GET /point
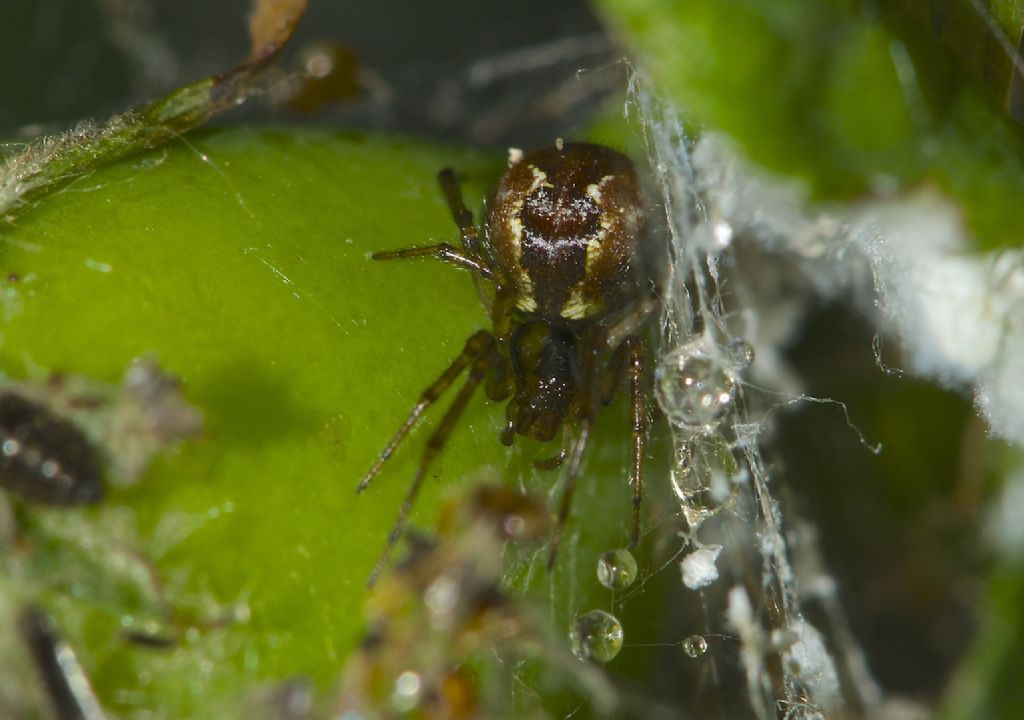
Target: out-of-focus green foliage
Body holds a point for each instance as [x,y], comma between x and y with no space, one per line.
[851,97]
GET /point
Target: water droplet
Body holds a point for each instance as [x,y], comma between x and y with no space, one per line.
[694,389]
[441,599]
[695,646]
[616,569]
[596,635]
[406,695]
[741,353]
[704,476]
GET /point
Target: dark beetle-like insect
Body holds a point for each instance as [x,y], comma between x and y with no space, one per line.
[566,269]
[45,458]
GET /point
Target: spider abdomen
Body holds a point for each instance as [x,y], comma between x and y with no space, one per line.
[563,225]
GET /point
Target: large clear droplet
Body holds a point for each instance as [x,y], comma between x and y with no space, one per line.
[616,569]
[704,476]
[596,635]
[694,389]
[695,646]
[741,354]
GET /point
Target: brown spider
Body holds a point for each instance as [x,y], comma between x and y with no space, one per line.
[564,266]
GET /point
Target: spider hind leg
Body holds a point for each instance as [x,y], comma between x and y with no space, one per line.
[474,346]
[479,354]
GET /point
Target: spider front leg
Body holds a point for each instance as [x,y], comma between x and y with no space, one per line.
[442,251]
[475,345]
[629,361]
[480,352]
[460,213]
[469,257]
[575,463]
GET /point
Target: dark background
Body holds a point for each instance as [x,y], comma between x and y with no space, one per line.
[492,72]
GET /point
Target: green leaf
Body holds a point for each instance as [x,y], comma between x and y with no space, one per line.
[240,261]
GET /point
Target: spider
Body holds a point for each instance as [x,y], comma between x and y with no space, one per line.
[564,266]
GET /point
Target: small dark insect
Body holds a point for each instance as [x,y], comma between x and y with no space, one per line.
[565,268]
[45,458]
[65,681]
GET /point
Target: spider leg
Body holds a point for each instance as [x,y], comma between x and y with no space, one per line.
[615,373]
[482,360]
[593,347]
[575,461]
[475,345]
[501,312]
[471,246]
[462,216]
[441,251]
[555,461]
[498,385]
[637,374]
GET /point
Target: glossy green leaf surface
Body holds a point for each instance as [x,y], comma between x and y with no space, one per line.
[240,261]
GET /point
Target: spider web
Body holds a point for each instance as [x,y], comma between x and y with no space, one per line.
[737,544]
[905,262]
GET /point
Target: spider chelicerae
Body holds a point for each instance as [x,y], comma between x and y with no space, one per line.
[566,269]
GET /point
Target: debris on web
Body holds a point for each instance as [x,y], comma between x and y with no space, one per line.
[908,263]
[444,603]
